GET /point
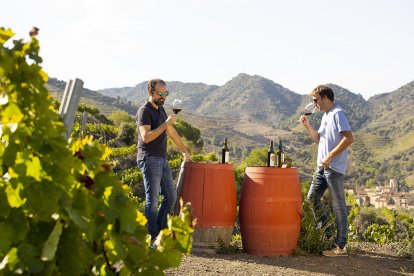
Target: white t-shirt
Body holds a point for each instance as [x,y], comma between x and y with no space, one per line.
[333,122]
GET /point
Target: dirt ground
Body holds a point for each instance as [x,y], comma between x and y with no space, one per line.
[364,260]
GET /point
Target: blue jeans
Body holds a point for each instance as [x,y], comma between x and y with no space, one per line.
[329,179]
[157,179]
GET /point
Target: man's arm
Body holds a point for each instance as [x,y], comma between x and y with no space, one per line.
[149,134]
[346,141]
[172,133]
[313,134]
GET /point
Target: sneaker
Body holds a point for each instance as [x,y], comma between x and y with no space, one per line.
[335,252]
[152,244]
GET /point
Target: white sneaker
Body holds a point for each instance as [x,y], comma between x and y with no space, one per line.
[336,252]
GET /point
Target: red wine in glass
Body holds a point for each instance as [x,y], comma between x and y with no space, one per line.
[309,109]
[177,105]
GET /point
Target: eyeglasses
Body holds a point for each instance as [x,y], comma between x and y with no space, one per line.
[162,94]
[315,100]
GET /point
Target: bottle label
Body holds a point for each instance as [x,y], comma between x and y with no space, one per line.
[272,160]
[227,157]
[283,159]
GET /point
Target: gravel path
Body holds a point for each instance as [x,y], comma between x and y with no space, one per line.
[371,261]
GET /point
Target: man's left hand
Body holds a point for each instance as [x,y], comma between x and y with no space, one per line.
[326,161]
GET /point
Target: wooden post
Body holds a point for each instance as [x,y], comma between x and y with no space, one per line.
[69,104]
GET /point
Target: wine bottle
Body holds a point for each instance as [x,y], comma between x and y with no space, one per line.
[280,155]
[270,155]
[225,154]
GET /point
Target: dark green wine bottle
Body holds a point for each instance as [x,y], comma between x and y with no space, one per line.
[225,154]
[280,155]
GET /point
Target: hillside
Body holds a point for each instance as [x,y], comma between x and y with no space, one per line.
[251,97]
[246,97]
[252,110]
[192,94]
[106,104]
[386,142]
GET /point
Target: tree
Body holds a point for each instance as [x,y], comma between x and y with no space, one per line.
[119,117]
[371,183]
[257,157]
[127,134]
[192,134]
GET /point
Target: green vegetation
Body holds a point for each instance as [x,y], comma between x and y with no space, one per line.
[62,211]
[383,226]
[235,245]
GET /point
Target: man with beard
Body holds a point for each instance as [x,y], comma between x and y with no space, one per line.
[153,127]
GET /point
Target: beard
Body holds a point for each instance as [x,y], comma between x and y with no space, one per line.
[159,101]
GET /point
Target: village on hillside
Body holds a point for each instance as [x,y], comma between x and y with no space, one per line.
[387,196]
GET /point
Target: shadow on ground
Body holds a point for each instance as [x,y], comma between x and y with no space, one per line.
[358,263]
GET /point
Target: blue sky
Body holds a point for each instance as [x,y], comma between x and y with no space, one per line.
[365,46]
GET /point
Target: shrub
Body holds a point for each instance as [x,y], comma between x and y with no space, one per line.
[62,212]
[380,234]
[312,239]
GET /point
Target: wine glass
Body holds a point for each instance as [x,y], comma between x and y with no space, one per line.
[177,105]
[309,109]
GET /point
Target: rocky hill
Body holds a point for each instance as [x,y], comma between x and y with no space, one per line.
[252,110]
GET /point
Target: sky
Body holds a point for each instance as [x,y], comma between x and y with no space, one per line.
[365,46]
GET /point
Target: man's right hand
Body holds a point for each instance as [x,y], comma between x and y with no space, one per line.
[304,120]
[171,119]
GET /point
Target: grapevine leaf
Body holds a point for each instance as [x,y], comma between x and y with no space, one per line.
[13,195]
[73,254]
[11,259]
[6,237]
[34,168]
[50,246]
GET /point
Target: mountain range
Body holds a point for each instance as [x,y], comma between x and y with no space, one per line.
[244,97]
[251,110]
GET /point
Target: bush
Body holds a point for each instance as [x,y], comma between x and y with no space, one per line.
[235,245]
[127,134]
[379,234]
[312,239]
[133,178]
[406,249]
[62,212]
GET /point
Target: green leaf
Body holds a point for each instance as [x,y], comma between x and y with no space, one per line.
[11,115]
[6,237]
[11,259]
[20,224]
[4,205]
[34,168]
[75,258]
[13,195]
[50,246]
[43,198]
[5,35]
[29,255]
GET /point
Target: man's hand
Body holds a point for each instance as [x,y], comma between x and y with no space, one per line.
[171,119]
[187,157]
[326,161]
[304,120]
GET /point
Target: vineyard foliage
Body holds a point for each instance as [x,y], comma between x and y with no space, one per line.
[62,211]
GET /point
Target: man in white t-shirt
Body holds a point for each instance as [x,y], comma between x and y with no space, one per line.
[334,137]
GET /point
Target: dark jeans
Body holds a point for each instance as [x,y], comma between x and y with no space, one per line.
[329,179]
[157,179]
